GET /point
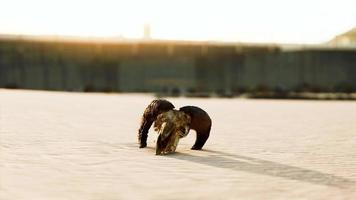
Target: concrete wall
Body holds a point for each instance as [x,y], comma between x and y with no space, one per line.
[172,67]
[318,69]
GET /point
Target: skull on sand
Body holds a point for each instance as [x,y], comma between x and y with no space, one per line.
[171,126]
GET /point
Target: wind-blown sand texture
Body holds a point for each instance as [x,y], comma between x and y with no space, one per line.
[56,145]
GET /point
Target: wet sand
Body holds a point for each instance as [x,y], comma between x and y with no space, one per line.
[57,145]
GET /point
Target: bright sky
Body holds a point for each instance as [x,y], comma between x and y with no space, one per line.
[285,21]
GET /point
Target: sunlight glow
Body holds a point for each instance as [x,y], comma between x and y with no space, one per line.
[303,21]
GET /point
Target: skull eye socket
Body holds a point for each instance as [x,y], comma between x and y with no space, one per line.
[183,131]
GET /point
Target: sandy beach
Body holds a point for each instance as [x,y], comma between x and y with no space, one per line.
[58,145]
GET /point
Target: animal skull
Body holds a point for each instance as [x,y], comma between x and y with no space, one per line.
[171,126]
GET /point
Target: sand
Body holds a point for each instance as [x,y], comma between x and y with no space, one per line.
[57,145]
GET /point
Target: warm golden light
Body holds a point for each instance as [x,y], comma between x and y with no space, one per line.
[304,21]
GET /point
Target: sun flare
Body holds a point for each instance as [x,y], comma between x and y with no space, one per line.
[303,21]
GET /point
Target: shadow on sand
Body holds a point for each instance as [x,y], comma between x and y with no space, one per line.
[265,167]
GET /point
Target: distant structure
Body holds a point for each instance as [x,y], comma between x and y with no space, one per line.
[345,39]
[173,67]
[147,32]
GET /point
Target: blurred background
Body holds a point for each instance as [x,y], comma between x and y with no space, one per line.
[271,49]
